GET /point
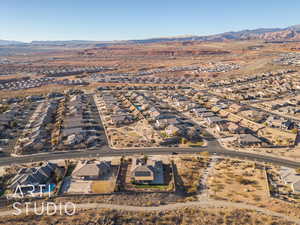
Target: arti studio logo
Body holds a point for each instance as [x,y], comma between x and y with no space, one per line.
[43,208]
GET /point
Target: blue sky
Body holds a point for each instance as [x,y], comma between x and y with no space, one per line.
[27,20]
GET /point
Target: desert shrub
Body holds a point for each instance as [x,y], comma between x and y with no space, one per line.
[246,181]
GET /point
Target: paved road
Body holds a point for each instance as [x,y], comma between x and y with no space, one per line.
[169,207]
[213,147]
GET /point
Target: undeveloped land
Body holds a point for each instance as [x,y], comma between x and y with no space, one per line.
[185,216]
[244,181]
[190,170]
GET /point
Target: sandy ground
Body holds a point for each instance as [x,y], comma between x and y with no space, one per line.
[80,187]
[102,187]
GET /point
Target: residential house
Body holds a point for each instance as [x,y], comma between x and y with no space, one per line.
[287,125]
[153,112]
[147,171]
[236,129]
[236,108]
[275,122]
[207,114]
[72,126]
[290,177]
[198,111]
[28,177]
[119,120]
[92,170]
[172,130]
[162,123]
[221,127]
[214,120]
[248,140]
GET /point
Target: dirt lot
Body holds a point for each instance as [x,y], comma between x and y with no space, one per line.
[134,133]
[239,181]
[190,170]
[242,181]
[139,134]
[102,187]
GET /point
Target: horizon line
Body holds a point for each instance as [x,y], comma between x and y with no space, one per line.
[149,38]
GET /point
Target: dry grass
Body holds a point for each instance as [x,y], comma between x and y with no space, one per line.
[278,136]
[191,216]
[190,170]
[239,181]
[102,187]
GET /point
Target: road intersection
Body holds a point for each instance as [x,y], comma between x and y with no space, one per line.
[213,147]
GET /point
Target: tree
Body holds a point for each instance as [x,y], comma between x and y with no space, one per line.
[295,130]
[145,158]
[245,181]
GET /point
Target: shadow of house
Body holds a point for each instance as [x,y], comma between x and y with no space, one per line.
[178,182]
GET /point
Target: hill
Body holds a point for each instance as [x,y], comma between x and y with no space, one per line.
[291,33]
[8,42]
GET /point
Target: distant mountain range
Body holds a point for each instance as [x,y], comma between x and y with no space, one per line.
[291,33]
[6,42]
